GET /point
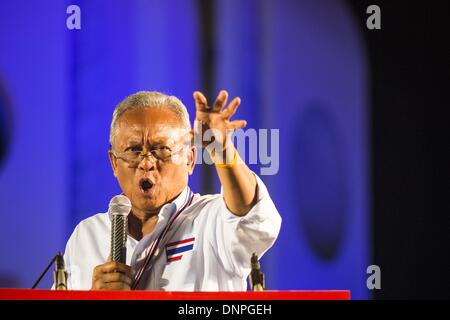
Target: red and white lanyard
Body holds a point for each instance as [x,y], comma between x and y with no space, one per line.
[187,202]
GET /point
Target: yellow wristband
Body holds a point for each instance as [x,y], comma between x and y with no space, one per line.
[225,165]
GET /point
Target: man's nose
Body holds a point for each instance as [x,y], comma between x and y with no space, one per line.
[147,163]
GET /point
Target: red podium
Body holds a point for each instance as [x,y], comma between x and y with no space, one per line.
[28,294]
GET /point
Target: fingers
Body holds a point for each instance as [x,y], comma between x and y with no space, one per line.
[113,267]
[201,104]
[116,286]
[112,286]
[232,107]
[116,277]
[221,101]
[104,279]
[237,124]
[112,276]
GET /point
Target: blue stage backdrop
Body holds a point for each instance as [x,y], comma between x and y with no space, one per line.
[299,66]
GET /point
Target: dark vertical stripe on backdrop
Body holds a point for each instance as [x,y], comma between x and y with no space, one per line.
[206,15]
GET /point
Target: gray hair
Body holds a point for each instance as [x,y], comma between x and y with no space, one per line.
[149,99]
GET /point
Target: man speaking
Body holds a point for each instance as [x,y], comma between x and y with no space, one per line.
[176,240]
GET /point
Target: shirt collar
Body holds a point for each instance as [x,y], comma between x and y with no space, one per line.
[165,214]
[169,208]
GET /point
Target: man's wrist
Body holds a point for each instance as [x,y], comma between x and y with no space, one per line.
[224,156]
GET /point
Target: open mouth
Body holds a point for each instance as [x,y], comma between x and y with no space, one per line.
[146,185]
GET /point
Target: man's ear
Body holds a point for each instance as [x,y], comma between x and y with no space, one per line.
[191,156]
[113,161]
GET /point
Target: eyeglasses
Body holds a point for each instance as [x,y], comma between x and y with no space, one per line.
[134,155]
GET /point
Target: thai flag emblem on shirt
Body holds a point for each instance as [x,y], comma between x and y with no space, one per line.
[175,250]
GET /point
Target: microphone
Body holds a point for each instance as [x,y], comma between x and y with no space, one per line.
[256,275]
[119,208]
[60,274]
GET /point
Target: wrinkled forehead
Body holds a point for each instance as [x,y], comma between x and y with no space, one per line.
[149,126]
[154,134]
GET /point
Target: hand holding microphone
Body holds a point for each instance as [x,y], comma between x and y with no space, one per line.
[115,274]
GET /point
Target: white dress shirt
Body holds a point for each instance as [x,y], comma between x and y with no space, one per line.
[206,248]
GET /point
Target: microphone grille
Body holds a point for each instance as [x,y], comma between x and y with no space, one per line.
[120,205]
